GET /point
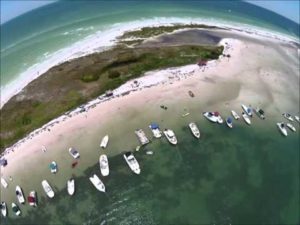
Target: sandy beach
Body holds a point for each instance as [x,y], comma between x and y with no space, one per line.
[260,72]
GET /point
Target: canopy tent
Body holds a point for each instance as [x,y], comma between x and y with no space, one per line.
[154,126]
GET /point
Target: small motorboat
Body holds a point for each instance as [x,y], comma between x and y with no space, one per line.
[48,189]
[16,209]
[3,209]
[288,116]
[104,166]
[104,141]
[235,115]
[155,130]
[97,183]
[20,194]
[282,129]
[132,162]
[74,153]
[246,118]
[292,128]
[32,199]
[247,110]
[170,135]
[53,167]
[297,118]
[260,113]
[4,182]
[71,186]
[229,122]
[195,130]
[214,117]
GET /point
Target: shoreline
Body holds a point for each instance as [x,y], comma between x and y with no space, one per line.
[223,85]
[148,80]
[109,39]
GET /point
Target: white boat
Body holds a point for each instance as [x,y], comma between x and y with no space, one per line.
[71,186]
[53,167]
[297,118]
[48,189]
[16,209]
[235,115]
[229,122]
[195,130]
[288,116]
[155,130]
[282,128]
[170,135]
[4,183]
[104,166]
[246,118]
[260,113]
[149,152]
[32,199]
[97,183]
[247,110]
[214,117]
[292,128]
[104,141]
[132,162]
[141,136]
[3,209]
[74,153]
[20,194]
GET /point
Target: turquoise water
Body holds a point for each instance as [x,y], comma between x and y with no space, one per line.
[241,176]
[32,38]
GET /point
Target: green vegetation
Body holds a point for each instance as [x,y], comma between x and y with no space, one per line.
[73,83]
[147,32]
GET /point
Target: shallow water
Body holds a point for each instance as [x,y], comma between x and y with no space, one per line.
[245,175]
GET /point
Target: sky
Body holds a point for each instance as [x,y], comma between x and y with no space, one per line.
[13,8]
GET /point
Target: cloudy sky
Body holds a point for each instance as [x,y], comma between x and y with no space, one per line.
[13,8]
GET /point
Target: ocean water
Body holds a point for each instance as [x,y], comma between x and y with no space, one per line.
[241,176]
[38,40]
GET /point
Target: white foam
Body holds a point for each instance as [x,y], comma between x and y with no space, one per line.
[104,39]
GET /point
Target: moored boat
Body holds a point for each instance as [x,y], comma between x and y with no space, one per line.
[20,195]
[297,118]
[3,209]
[97,183]
[53,167]
[195,130]
[32,199]
[246,118]
[282,129]
[247,110]
[48,189]
[235,115]
[214,117]
[104,166]
[155,130]
[16,209]
[104,141]
[288,116]
[74,153]
[292,128]
[170,135]
[260,113]
[229,122]
[71,186]
[132,162]
[4,182]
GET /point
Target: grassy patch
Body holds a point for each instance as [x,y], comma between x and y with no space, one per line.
[73,83]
